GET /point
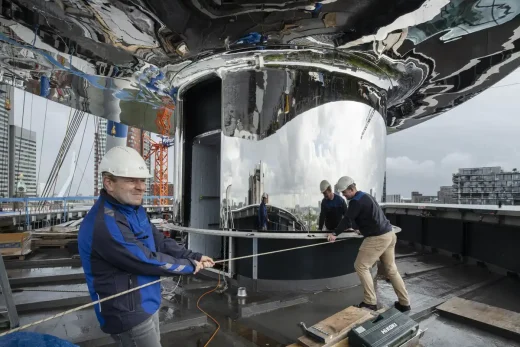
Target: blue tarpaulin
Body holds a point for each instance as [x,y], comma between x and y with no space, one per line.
[27,339]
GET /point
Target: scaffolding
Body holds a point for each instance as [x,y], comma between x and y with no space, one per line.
[160,149]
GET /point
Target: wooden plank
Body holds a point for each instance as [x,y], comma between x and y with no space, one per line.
[15,244]
[337,326]
[481,313]
[14,237]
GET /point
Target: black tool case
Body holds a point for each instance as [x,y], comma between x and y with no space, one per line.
[390,329]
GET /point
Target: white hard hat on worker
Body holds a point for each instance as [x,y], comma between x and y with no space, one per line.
[326,189]
[124,175]
[347,187]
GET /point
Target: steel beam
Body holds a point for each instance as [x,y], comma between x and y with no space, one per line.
[8,296]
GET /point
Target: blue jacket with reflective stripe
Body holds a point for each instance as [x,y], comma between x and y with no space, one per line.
[120,249]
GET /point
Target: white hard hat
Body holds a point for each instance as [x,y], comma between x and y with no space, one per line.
[324,185]
[122,161]
[344,182]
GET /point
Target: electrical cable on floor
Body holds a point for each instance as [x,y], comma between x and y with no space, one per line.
[207,314]
[91,304]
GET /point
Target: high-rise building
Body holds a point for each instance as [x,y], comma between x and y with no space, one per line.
[393,198]
[256,185]
[134,140]
[486,186]
[4,143]
[445,195]
[22,159]
[418,198]
[100,143]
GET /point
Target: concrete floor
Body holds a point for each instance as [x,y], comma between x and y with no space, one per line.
[430,280]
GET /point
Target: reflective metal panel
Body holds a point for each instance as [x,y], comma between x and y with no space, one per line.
[323,142]
[123,59]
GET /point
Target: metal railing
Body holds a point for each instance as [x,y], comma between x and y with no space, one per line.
[24,208]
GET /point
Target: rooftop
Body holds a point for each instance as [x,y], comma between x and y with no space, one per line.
[267,319]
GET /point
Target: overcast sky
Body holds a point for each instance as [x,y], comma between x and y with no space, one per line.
[483,131]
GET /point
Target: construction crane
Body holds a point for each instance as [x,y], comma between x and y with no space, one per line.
[160,149]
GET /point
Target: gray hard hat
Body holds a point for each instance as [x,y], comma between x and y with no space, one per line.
[324,185]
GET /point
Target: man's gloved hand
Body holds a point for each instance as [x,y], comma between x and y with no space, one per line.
[207,261]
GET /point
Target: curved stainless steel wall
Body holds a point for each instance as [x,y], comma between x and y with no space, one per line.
[285,131]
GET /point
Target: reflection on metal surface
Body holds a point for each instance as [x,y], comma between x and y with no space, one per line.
[122,59]
[322,142]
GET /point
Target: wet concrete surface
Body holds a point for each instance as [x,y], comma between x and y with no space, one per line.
[82,327]
[448,333]
[423,263]
[504,294]
[433,280]
[50,296]
[44,272]
[282,325]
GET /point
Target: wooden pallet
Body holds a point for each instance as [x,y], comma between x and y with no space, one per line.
[337,326]
[17,255]
[51,243]
[15,245]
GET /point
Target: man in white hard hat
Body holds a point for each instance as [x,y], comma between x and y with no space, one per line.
[333,208]
[120,249]
[379,243]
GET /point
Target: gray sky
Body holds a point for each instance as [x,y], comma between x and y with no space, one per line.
[33,117]
[483,131]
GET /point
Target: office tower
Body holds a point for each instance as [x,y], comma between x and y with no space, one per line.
[22,160]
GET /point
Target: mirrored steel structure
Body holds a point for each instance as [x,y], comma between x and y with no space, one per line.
[270,97]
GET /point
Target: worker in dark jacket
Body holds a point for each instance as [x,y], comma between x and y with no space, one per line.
[379,243]
[263,219]
[120,249]
[333,208]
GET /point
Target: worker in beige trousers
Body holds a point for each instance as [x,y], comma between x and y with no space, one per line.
[379,243]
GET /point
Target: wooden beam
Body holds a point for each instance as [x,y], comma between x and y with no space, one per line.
[490,316]
[337,326]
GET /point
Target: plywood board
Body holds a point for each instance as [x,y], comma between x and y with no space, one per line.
[482,313]
[337,326]
[13,237]
[15,244]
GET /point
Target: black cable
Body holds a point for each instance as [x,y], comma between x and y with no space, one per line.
[50,178]
[67,141]
[72,134]
[77,160]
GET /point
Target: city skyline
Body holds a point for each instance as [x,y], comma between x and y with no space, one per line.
[480,132]
[33,117]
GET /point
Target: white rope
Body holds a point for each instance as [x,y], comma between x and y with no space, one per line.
[149,284]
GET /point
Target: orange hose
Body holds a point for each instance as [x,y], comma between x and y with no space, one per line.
[207,314]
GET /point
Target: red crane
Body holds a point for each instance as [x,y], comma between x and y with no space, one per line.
[160,149]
